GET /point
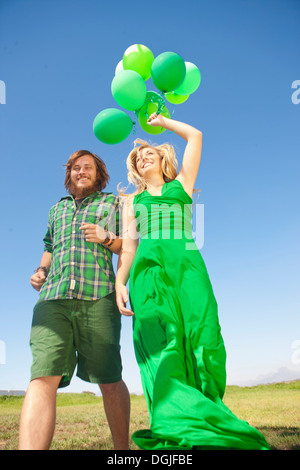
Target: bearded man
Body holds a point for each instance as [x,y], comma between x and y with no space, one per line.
[76,321]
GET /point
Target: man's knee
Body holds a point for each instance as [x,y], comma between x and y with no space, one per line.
[114,388]
[47,383]
[110,387]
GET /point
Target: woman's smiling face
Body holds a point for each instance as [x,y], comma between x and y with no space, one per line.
[148,161]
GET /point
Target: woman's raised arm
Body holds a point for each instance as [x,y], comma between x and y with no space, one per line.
[192,154]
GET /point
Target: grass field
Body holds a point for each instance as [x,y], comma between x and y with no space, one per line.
[81,423]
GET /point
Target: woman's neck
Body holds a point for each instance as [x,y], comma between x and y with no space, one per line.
[155,183]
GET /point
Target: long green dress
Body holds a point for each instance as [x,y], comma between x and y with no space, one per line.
[177,336]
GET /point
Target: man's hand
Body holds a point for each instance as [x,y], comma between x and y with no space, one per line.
[93,233]
[38,279]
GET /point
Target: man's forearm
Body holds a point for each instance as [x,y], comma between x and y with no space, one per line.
[116,246]
[46,260]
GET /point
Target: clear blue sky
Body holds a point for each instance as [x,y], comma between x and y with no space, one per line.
[57,59]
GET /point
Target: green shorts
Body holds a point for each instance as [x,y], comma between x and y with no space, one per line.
[86,333]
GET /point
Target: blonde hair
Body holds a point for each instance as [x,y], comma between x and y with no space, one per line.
[169,164]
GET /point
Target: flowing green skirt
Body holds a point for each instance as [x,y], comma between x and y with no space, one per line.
[181,354]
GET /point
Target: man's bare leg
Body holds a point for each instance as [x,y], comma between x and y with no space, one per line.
[38,414]
[116,402]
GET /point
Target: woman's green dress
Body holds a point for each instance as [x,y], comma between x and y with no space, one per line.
[177,336]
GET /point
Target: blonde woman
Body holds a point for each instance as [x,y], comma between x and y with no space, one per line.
[176,331]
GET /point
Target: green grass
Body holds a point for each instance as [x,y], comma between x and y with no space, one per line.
[81,422]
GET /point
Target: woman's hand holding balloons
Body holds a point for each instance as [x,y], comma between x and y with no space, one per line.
[156,120]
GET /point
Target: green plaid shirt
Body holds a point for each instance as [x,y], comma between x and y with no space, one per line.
[80,269]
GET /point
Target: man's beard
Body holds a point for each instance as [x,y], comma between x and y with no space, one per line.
[80,193]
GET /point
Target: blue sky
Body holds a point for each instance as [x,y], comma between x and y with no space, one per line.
[57,60]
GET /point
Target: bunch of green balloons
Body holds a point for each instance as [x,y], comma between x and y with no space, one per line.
[175,79]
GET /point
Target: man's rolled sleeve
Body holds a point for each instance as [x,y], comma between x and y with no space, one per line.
[114,221]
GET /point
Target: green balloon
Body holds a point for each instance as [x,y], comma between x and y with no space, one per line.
[192,80]
[176,99]
[153,104]
[119,67]
[138,58]
[168,71]
[129,90]
[112,126]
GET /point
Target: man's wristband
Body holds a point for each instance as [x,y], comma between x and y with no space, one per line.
[109,239]
[42,268]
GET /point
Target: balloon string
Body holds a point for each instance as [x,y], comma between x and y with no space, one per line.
[161,103]
[151,99]
[134,127]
